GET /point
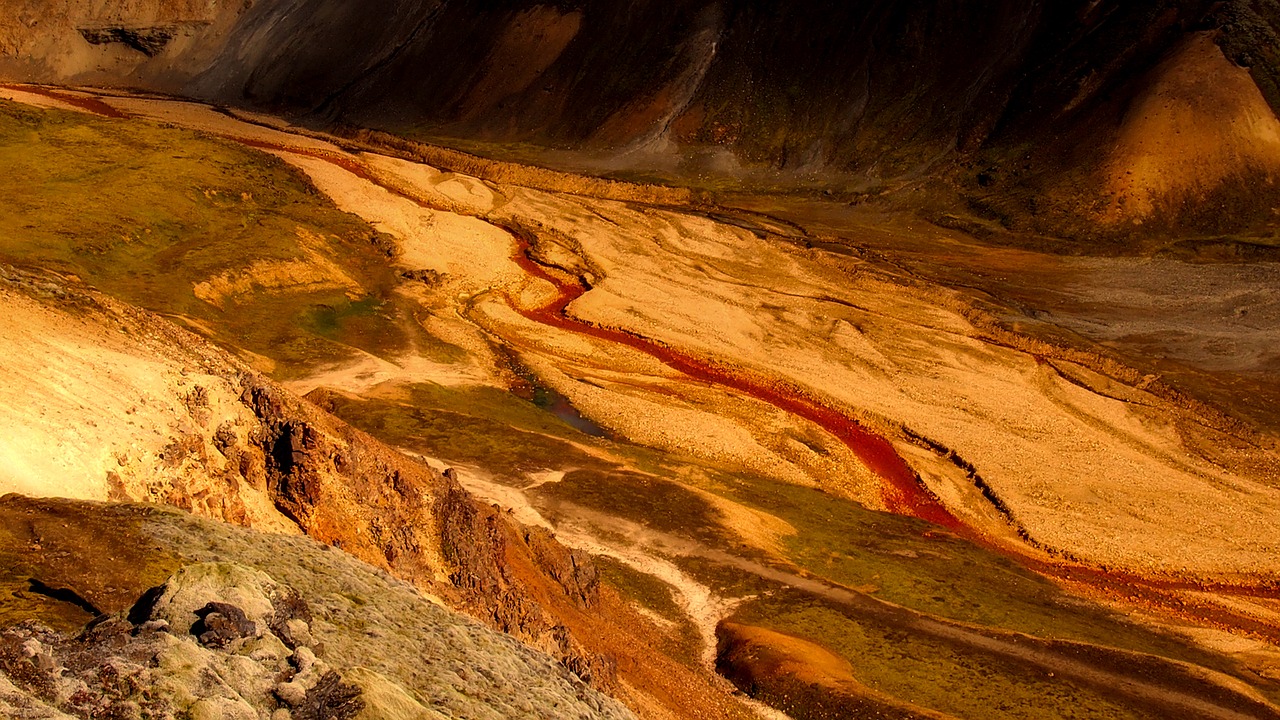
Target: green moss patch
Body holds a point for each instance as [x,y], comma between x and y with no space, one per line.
[919,566]
[931,673]
[479,426]
[146,212]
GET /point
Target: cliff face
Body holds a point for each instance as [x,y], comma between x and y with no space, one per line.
[846,84]
[152,43]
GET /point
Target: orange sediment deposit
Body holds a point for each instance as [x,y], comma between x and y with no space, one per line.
[513,173]
[351,165]
[902,493]
[796,674]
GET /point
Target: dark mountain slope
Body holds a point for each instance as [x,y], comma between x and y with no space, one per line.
[877,91]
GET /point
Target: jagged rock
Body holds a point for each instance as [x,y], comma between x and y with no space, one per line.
[492,560]
[272,460]
[330,699]
[424,276]
[220,624]
[240,596]
[291,619]
[572,569]
[394,653]
[147,40]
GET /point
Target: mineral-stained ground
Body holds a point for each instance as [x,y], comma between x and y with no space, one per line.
[509,389]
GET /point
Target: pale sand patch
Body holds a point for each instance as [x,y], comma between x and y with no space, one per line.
[475,255]
[197,116]
[510,498]
[494,314]
[370,372]
[704,608]
[444,189]
[545,477]
[679,424]
[1260,656]
[69,404]
[1105,479]
[37,100]
[759,529]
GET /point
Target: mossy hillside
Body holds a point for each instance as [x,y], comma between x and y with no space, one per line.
[145,212]
[364,623]
[927,672]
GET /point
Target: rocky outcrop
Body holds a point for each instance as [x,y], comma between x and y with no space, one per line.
[493,562]
[147,40]
[250,625]
[344,488]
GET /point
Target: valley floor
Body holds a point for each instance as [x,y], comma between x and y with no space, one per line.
[853,465]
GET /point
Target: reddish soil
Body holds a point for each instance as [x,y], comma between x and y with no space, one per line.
[351,165]
[88,104]
[902,492]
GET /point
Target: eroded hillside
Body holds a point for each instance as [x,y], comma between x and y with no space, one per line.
[788,457]
[139,611]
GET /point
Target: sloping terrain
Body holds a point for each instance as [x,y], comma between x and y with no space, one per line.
[1025,115]
[111,402]
[134,610]
[742,389]
[835,421]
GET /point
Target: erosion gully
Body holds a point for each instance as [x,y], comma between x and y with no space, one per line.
[903,492]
